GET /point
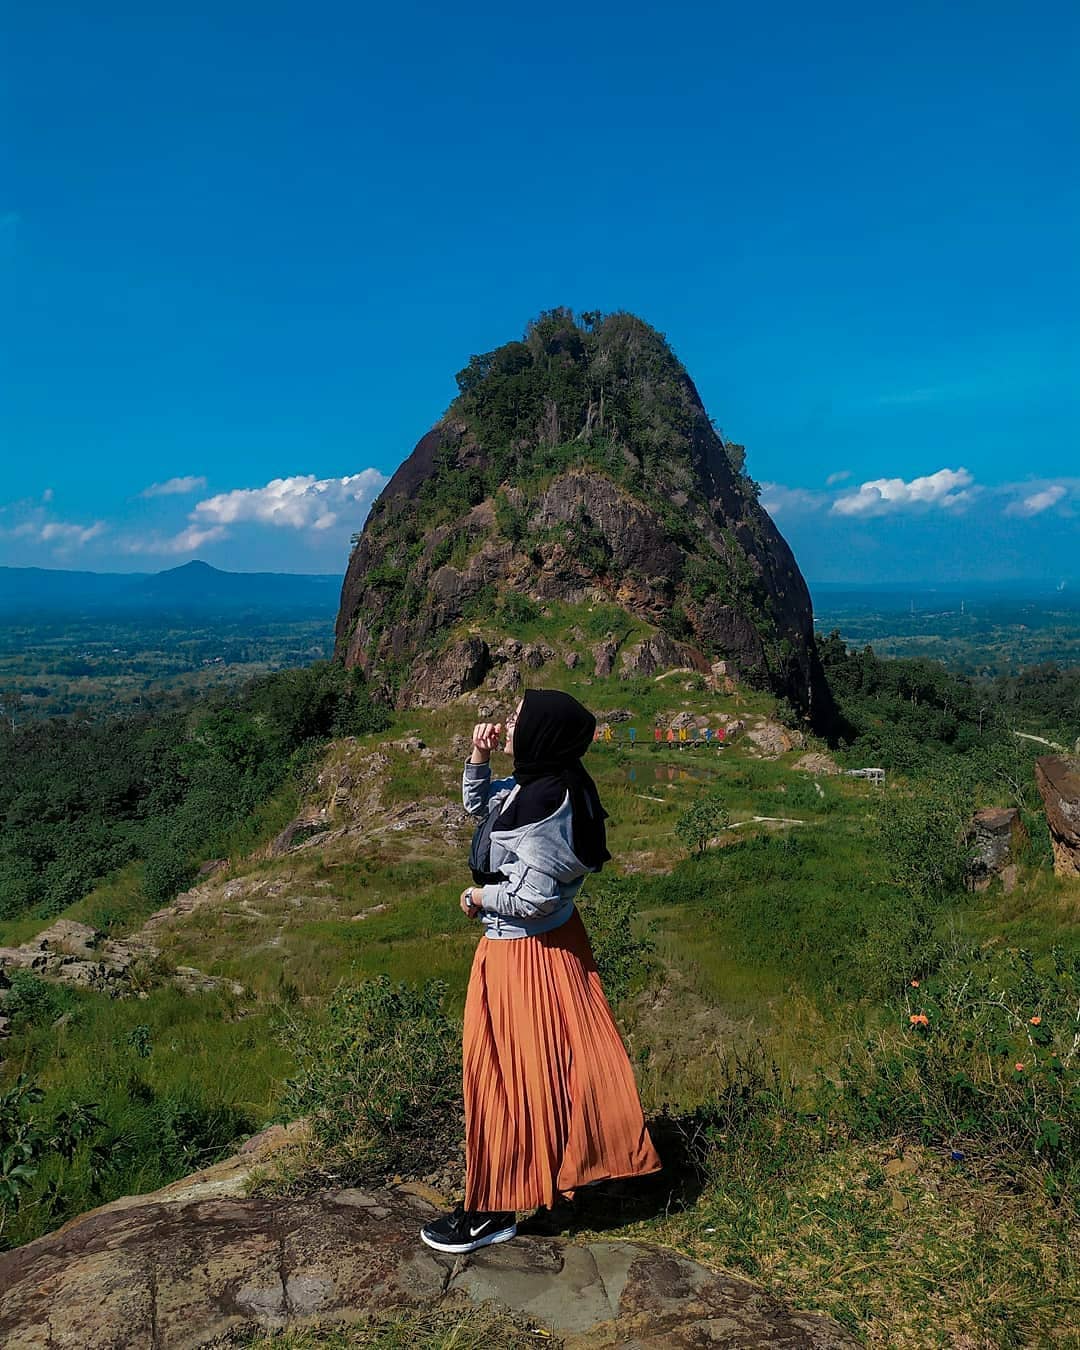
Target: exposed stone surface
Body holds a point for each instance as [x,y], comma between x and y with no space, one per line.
[78,954]
[176,1269]
[658,652]
[295,834]
[571,660]
[75,953]
[773,740]
[603,655]
[461,667]
[1058,778]
[506,679]
[995,837]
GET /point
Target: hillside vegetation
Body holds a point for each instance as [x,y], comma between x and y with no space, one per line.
[864,1077]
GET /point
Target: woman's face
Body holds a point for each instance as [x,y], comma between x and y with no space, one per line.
[511,723]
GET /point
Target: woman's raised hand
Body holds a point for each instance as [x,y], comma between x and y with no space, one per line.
[485,738]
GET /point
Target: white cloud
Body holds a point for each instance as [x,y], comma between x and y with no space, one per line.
[837,477]
[298,503]
[187,541]
[175,486]
[47,495]
[948,488]
[1037,501]
[64,535]
[780,500]
[302,502]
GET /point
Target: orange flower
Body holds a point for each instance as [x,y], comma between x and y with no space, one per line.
[1019,1067]
[1034,1021]
[919,1019]
[914,984]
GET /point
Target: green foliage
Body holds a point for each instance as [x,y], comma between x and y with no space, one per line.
[81,801]
[701,821]
[609,907]
[25,1142]
[515,609]
[920,830]
[905,716]
[994,1059]
[34,1002]
[380,1076]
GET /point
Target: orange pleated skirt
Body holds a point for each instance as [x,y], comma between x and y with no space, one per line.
[550,1098]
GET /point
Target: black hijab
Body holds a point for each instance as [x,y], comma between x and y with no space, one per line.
[553,731]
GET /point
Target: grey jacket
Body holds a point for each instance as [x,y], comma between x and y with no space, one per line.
[543,872]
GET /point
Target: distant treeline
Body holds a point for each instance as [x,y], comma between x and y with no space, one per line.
[903,713]
[79,801]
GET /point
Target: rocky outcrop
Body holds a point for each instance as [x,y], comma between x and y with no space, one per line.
[75,953]
[1058,778]
[995,838]
[461,667]
[603,655]
[650,511]
[183,1267]
[771,740]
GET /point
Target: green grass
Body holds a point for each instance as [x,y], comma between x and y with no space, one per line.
[791,937]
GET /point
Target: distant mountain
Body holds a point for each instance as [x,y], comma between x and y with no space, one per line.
[196,587]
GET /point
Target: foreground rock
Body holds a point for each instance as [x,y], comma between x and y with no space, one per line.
[178,1269]
[1059,782]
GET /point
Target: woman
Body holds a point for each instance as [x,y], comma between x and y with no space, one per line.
[550,1099]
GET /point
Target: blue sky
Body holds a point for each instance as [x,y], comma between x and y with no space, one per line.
[245,248]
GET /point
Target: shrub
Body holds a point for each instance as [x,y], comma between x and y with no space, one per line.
[168,870]
[920,830]
[34,1002]
[516,609]
[623,960]
[984,1050]
[697,825]
[379,1075]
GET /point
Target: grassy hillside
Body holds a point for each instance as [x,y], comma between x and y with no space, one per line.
[905,1177]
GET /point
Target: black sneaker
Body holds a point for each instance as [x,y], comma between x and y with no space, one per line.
[465,1231]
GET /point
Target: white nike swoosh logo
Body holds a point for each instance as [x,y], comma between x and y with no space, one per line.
[473,1231]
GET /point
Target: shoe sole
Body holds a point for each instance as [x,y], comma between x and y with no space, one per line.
[461,1248]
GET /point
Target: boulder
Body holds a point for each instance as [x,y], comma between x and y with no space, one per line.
[181,1269]
[772,740]
[658,652]
[604,657]
[461,667]
[537,654]
[571,660]
[65,935]
[506,679]
[995,837]
[1058,778]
